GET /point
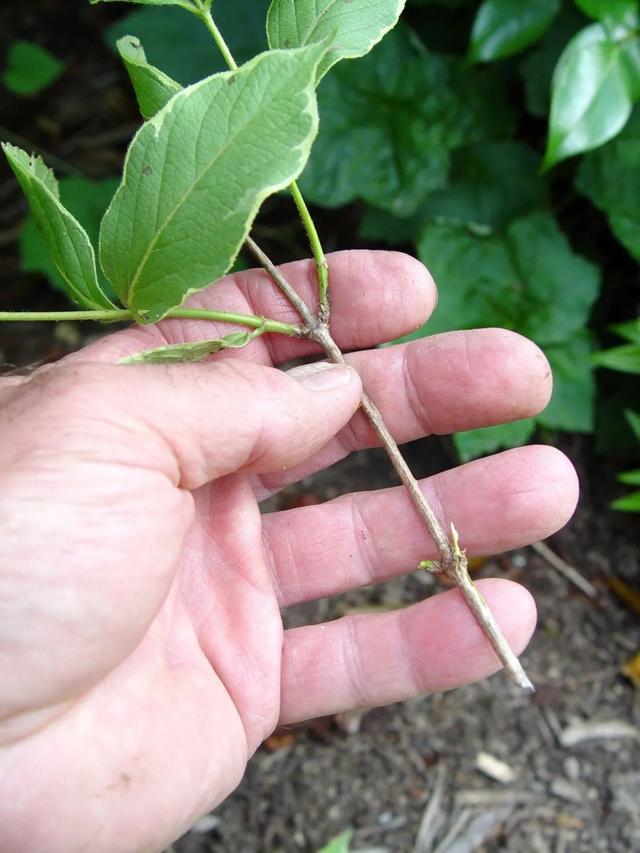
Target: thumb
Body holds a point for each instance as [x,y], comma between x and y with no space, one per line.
[197,422]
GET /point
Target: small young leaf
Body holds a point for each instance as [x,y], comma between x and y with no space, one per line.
[195,351]
[66,239]
[196,174]
[354,27]
[629,503]
[30,68]
[504,27]
[630,478]
[340,844]
[625,358]
[153,88]
[593,90]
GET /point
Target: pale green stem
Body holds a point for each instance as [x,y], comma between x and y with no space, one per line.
[322,268]
[122,315]
[207,19]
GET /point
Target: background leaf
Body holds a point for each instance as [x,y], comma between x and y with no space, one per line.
[538,67]
[87,201]
[592,94]
[480,442]
[153,88]
[390,122]
[625,358]
[489,185]
[610,177]
[504,27]
[524,278]
[30,68]
[66,240]
[614,12]
[179,44]
[196,174]
[355,27]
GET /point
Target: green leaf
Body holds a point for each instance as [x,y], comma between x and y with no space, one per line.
[631,478]
[194,351]
[390,122]
[153,87]
[621,13]
[630,330]
[593,91]
[30,68]
[481,442]
[87,201]
[610,177]
[634,422]
[625,358]
[354,27]
[526,278]
[66,239]
[490,184]
[629,503]
[504,27]
[182,47]
[196,174]
[340,844]
[537,69]
[571,405]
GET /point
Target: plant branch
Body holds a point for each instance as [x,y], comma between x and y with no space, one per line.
[311,322]
[453,560]
[266,324]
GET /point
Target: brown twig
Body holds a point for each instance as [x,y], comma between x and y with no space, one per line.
[453,560]
[568,572]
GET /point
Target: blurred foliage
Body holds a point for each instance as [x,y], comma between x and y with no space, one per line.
[626,358]
[30,69]
[496,140]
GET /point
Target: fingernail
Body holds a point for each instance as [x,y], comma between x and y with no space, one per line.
[322,376]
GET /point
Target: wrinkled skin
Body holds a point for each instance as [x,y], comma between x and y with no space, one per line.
[142,653]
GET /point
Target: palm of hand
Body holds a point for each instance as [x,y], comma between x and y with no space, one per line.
[166,663]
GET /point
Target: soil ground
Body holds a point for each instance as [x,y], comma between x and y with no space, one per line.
[404,778]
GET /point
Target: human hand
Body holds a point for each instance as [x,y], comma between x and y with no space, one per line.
[142,653]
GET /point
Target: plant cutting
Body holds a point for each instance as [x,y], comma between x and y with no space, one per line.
[194,179]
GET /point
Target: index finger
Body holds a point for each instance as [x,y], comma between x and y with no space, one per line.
[375,296]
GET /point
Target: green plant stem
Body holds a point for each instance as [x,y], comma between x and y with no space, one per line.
[207,19]
[122,315]
[322,268]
